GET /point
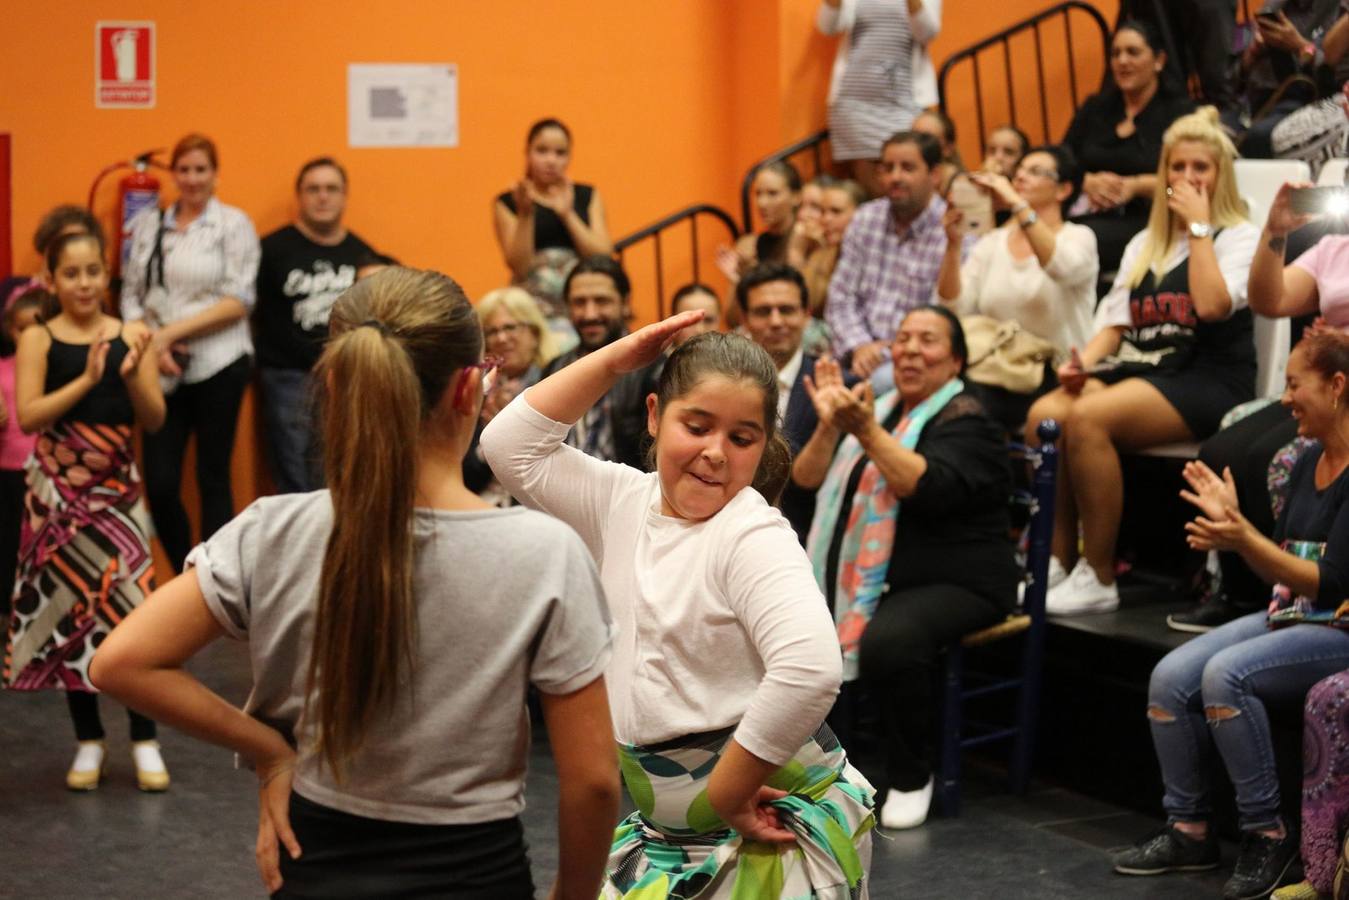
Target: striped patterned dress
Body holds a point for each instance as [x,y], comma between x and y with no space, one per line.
[84,556]
[875,96]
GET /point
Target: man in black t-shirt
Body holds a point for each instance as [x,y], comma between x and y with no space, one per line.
[305,267]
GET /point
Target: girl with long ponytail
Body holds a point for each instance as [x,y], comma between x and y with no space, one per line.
[394,622]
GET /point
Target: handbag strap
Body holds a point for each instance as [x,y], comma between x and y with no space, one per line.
[154,266]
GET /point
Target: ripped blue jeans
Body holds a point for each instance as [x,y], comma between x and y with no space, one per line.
[1211,692]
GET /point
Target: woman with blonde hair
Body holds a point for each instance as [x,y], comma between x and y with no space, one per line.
[361,603]
[1173,351]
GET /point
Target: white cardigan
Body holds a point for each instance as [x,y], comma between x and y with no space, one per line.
[924,26]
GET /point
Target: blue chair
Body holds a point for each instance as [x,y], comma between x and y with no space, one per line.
[959,734]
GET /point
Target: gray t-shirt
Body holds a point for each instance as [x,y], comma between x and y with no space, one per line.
[506,598]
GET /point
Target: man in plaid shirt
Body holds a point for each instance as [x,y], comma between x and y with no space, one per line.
[891,256]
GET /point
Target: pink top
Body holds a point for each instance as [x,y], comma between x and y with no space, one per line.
[1328,262]
[15,446]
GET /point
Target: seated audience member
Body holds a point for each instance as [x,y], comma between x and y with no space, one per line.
[891,256]
[1003,150]
[597,292]
[883,76]
[700,297]
[1116,137]
[955,186]
[772,299]
[303,269]
[839,200]
[395,583]
[924,557]
[806,233]
[1173,351]
[1288,43]
[1204,29]
[1325,790]
[1211,691]
[58,222]
[1315,283]
[1319,131]
[516,337]
[546,221]
[777,197]
[1036,270]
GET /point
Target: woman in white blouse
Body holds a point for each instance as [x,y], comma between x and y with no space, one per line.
[1037,269]
[191,277]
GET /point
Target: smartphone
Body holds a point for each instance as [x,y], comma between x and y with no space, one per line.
[1333,200]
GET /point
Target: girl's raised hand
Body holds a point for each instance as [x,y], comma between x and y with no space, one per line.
[645,345]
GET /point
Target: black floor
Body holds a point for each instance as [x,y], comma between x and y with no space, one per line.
[197,840]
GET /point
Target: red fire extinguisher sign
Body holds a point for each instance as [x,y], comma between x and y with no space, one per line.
[124,65]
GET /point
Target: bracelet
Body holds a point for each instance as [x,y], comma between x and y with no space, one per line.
[1309,51]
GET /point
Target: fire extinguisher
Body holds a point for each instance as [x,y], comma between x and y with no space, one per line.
[136,191]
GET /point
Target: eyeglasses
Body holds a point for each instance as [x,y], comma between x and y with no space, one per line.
[1038,172]
[507,330]
[488,367]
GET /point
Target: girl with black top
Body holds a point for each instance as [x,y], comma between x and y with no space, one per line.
[547,221]
[1173,351]
[84,380]
[1116,136]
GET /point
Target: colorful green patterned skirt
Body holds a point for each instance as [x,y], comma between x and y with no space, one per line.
[676,847]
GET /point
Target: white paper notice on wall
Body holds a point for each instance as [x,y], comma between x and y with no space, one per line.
[403,105]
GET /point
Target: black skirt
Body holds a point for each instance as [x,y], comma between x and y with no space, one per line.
[347,856]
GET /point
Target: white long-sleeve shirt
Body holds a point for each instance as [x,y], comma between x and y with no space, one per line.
[1054,302]
[718,621]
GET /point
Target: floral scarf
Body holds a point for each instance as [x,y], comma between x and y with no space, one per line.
[864,557]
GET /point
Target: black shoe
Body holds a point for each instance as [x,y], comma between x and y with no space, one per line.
[1169,850]
[1262,865]
[1207,615]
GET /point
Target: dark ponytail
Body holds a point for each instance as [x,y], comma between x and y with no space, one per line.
[398,337]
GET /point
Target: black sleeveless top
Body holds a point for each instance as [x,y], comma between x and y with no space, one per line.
[1167,328]
[108,402]
[548,228]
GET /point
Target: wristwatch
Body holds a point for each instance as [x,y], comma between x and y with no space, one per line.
[1030,219]
[1200,230]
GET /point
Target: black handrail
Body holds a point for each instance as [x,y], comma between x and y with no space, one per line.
[653,232]
[1033,23]
[813,143]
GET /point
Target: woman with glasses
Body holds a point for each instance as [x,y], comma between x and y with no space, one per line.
[1036,270]
[516,337]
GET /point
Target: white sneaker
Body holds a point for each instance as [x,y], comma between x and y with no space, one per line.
[1081,593]
[1057,576]
[906,809]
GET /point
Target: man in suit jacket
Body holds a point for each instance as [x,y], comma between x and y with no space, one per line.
[773,303]
[597,291]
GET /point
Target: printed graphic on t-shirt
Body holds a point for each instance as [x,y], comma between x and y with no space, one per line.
[317,291]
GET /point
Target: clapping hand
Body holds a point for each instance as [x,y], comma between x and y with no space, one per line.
[1232,532]
[136,348]
[1212,495]
[524,197]
[728,261]
[97,360]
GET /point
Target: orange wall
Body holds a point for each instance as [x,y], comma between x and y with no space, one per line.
[669,103]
